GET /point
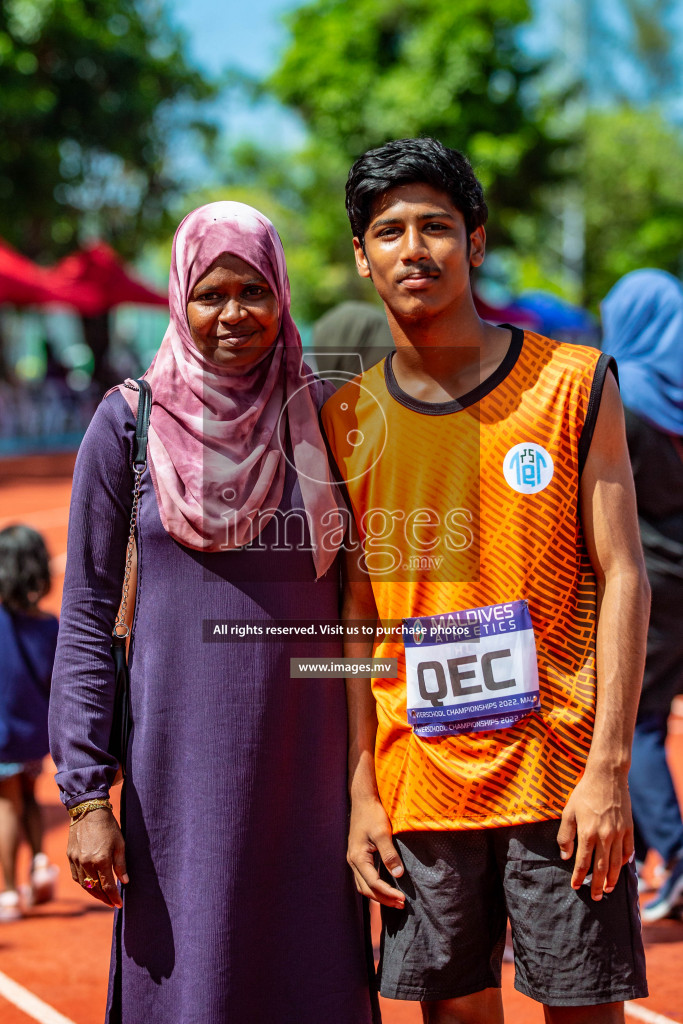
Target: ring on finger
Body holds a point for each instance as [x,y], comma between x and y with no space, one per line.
[89,882]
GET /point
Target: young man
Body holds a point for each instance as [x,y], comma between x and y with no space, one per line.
[490,485]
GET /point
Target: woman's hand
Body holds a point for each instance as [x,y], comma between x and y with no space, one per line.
[96,852]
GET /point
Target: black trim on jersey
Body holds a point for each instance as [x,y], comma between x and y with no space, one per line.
[605,363]
[471,397]
[337,479]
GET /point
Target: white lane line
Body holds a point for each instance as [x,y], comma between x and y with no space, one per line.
[34,1007]
[39,520]
[29,1004]
[638,1012]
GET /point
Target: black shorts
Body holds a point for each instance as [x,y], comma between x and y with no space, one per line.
[461,888]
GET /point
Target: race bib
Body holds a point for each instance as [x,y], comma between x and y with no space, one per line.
[471,671]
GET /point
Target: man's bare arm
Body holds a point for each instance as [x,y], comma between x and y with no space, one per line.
[598,812]
[370,828]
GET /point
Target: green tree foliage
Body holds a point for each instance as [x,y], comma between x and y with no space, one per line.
[360,72]
[633,194]
[88,105]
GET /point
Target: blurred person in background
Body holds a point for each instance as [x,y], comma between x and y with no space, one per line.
[28,637]
[643,329]
[237,903]
[350,338]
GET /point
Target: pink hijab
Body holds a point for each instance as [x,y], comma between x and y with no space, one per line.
[216,439]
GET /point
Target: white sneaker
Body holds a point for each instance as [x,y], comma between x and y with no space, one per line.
[10,910]
[658,876]
[43,879]
[669,899]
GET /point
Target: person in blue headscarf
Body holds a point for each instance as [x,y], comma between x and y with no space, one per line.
[643,329]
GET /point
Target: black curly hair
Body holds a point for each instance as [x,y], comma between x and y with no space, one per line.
[403,162]
[24,568]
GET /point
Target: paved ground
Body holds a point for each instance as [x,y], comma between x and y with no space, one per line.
[59,953]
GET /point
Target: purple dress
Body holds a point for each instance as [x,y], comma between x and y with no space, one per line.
[240,907]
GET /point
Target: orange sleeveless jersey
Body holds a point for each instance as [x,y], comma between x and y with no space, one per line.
[445,529]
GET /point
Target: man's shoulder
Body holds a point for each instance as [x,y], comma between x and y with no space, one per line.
[561,372]
[560,354]
[560,351]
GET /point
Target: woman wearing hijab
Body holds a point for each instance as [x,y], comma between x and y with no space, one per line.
[643,329]
[236,902]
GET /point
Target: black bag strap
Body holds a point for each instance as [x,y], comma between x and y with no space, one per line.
[142,425]
[121,631]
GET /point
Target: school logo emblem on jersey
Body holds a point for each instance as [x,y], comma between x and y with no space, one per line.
[528,468]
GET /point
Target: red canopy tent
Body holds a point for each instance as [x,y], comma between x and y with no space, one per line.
[91,281]
[24,283]
[102,280]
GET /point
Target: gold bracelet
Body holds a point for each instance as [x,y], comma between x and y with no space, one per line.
[80,810]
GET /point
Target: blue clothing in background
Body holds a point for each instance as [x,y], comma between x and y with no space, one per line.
[27,651]
[642,319]
[652,790]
